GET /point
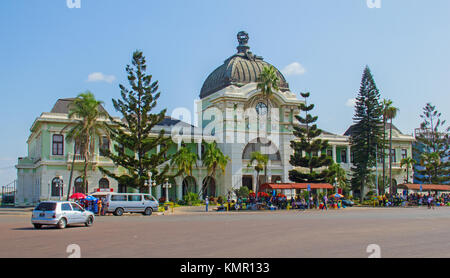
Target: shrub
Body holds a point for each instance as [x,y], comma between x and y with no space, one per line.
[242,192]
[191,199]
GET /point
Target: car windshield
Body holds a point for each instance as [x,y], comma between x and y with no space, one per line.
[46,206]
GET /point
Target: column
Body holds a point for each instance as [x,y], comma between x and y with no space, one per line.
[348,154]
[158,148]
[179,144]
[334,154]
[199,149]
[179,191]
[158,192]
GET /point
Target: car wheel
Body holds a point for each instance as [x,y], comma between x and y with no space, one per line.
[37,226]
[62,223]
[148,211]
[118,212]
[89,221]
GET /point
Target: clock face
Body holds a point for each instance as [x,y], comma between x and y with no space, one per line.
[261,108]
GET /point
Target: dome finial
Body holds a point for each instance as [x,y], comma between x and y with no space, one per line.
[242,37]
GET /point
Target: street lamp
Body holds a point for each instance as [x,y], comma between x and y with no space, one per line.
[167,185]
[336,184]
[60,187]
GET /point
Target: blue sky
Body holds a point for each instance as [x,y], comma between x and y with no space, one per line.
[48,51]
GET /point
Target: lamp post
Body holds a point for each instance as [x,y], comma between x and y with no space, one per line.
[167,185]
[336,184]
[60,187]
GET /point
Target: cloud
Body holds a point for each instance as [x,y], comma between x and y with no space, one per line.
[351,102]
[100,77]
[294,69]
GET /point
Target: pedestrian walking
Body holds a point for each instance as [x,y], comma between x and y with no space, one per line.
[207,203]
[325,201]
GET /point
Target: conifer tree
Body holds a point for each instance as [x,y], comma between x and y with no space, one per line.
[367,132]
[432,148]
[133,135]
[307,132]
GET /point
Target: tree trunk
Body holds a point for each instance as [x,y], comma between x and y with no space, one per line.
[390,158]
[70,177]
[384,154]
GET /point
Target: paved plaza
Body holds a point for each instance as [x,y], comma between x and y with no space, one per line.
[191,233]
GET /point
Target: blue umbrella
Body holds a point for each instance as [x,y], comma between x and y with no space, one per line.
[90,198]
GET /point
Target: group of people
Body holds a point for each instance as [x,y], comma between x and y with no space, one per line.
[413,199]
[278,202]
[95,205]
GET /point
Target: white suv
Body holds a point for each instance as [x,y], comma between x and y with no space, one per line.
[60,214]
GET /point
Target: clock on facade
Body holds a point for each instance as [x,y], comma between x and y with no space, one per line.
[261,108]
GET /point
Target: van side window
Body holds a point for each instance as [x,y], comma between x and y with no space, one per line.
[118,197]
[134,198]
[148,198]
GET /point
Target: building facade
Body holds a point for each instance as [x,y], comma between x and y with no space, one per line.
[231,111]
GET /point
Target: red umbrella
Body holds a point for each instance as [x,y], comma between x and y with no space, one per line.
[78,196]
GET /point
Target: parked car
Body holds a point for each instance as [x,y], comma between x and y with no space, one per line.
[60,214]
[119,203]
[347,203]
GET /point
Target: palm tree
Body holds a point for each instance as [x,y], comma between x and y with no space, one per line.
[261,164]
[185,161]
[85,112]
[408,162]
[213,159]
[340,176]
[268,84]
[391,113]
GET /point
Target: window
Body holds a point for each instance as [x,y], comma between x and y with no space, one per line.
[149,198]
[46,206]
[134,198]
[103,183]
[343,156]
[393,155]
[58,144]
[330,153]
[352,157]
[404,153]
[57,188]
[77,207]
[66,207]
[104,144]
[119,198]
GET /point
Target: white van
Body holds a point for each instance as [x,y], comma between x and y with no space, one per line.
[118,203]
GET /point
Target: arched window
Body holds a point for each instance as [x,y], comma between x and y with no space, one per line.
[264,148]
[79,185]
[57,187]
[103,183]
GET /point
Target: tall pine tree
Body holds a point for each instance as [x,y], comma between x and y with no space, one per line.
[307,133]
[133,136]
[432,148]
[367,132]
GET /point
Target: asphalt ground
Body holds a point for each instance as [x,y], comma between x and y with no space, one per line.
[193,233]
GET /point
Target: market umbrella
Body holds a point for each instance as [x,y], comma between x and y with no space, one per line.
[78,196]
[337,195]
[90,198]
